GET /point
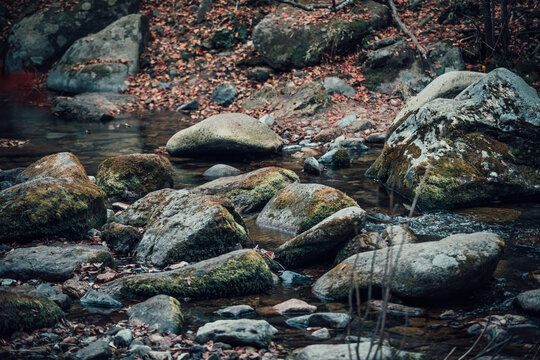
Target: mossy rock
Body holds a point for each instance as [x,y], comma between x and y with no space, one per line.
[24,312]
[161,312]
[132,176]
[238,273]
[60,165]
[298,207]
[101,257]
[341,158]
[121,238]
[251,191]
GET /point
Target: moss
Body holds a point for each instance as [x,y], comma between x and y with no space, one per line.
[177,308]
[103,257]
[244,275]
[326,203]
[25,312]
[341,158]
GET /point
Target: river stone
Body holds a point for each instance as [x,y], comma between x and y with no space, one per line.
[50,263]
[312,166]
[224,94]
[314,245]
[238,273]
[94,298]
[239,332]
[479,147]
[449,267]
[333,85]
[294,306]
[336,158]
[75,288]
[160,312]
[292,278]
[123,338]
[395,235]
[530,301]
[184,226]
[120,238]
[251,191]
[236,311]
[361,243]
[24,312]
[328,319]
[90,107]
[96,350]
[221,170]
[129,177]
[102,61]
[225,134]
[37,41]
[298,207]
[343,351]
[60,165]
[284,44]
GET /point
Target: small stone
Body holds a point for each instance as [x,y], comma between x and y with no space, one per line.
[530,301]
[396,309]
[221,170]
[294,306]
[96,350]
[267,120]
[448,314]
[331,320]
[123,338]
[8,282]
[160,355]
[192,105]
[291,148]
[119,206]
[75,288]
[237,311]
[321,334]
[94,298]
[312,166]
[377,138]
[106,277]
[139,350]
[224,94]
[291,278]
[347,120]
[62,300]
[334,85]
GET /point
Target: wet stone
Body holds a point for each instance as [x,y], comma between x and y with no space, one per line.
[94,298]
[96,350]
[291,278]
[330,320]
[236,311]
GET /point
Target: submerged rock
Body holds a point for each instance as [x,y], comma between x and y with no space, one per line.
[90,107]
[328,319]
[94,298]
[225,134]
[129,177]
[291,278]
[449,267]
[251,191]
[239,332]
[161,312]
[184,226]
[221,170]
[236,311]
[298,207]
[530,301]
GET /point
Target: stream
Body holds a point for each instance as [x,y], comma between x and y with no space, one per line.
[517,223]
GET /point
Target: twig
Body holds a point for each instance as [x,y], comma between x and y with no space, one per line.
[421,49]
[332,7]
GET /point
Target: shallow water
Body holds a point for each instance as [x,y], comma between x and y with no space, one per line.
[517,223]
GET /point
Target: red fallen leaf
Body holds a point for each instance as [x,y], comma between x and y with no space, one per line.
[336,96]
[469,67]
[285,15]
[332,122]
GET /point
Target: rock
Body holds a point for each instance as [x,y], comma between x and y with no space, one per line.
[361,243]
[160,312]
[328,134]
[342,351]
[485,152]
[239,332]
[291,278]
[359,125]
[396,56]
[346,120]
[395,235]
[377,138]
[236,311]
[50,263]
[96,350]
[449,267]
[139,350]
[224,94]
[298,207]
[58,199]
[314,245]
[192,105]
[62,300]
[123,338]
[25,312]
[130,177]
[352,145]
[330,320]
[294,306]
[102,61]
[221,170]
[530,301]
[94,298]
[8,282]
[268,120]
[336,158]
[237,273]
[396,309]
[75,288]
[259,74]
[90,107]
[39,40]
[184,226]
[160,355]
[121,238]
[447,57]
[251,191]
[283,44]
[312,166]
[334,85]
[225,134]
[321,334]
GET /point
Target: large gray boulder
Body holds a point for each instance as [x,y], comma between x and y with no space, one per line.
[39,40]
[449,267]
[251,191]
[316,243]
[50,263]
[298,207]
[285,44]
[225,134]
[239,332]
[183,226]
[101,62]
[161,312]
[480,146]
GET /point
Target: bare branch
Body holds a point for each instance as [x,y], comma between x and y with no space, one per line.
[421,49]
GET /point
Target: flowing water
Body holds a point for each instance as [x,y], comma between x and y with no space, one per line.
[517,223]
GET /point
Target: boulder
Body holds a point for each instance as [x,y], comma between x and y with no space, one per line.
[121,238]
[251,191]
[449,267]
[129,177]
[90,107]
[328,319]
[480,146]
[161,312]
[530,301]
[225,134]
[314,245]
[221,170]
[51,263]
[224,94]
[39,40]
[298,207]
[183,226]
[285,44]
[58,199]
[101,62]
[238,332]
[238,273]
[25,312]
